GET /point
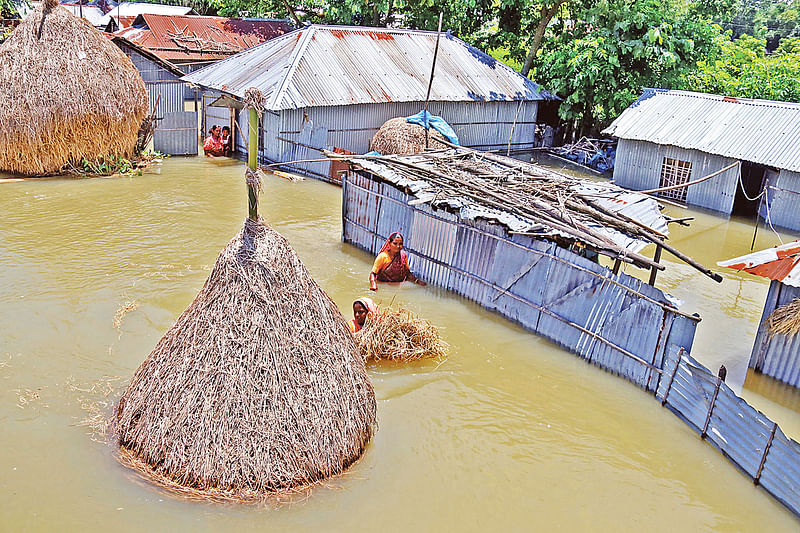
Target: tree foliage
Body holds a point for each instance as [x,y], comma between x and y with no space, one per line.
[614,49]
[739,67]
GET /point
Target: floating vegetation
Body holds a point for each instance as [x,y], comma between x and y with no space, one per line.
[399,336]
[123,310]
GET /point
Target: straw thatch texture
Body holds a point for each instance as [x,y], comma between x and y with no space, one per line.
[785,320]
[67,93]
[397,136]
[399,336]
[258,387]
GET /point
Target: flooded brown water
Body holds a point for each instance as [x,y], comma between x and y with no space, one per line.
[510,433]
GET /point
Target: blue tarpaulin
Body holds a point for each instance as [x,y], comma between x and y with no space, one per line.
[426,120]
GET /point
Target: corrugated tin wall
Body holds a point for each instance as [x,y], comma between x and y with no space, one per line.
[777,356]
[638,167]
[782,203]
[744,435]
[482,125]
[615,321]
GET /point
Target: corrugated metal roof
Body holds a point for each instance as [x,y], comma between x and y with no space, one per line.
[760,131]
[200,37]
[91,13]
[781,263]
[638,207]
[134,9]
[342,65]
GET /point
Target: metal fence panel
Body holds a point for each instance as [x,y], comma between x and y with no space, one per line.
[176,134]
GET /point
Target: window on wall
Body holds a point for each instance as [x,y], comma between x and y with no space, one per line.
[675,172]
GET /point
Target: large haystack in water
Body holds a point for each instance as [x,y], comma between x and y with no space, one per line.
[67,92]
[258,387]
[398,136]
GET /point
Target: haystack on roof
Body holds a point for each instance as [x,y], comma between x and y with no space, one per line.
[67,92]
[258,387]
[398,136]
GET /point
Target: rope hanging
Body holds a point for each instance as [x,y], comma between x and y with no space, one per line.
[253,99]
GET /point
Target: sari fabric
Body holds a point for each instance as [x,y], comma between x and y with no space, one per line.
[397,269]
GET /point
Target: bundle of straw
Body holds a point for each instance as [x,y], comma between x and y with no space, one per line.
[68,94]
[398,136]
[785,320]
[399,336]
[257,388]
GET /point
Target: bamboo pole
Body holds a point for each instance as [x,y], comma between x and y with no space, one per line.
[252,158]
[699,180]
[430,83]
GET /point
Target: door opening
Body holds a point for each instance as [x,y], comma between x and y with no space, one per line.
[752,182]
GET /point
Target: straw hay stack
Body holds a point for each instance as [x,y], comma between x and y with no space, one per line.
[785,320]
[258,387]
[397,136]
[67,93]
[399,336]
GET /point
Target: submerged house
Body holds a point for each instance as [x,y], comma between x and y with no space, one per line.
[776,353]
[525,242]
[672,137]
[176,123]
[332,87]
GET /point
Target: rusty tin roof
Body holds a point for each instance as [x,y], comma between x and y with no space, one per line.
[779,263]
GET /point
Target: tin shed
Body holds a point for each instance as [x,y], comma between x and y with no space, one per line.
[776,355]
[671,137]
[176,128]
[334,86]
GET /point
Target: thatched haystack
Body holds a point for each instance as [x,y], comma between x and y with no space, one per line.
[399,335]
[397,136]
[785,320]
[257,388]
[67,93]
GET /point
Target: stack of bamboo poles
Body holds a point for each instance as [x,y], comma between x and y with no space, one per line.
[551,200]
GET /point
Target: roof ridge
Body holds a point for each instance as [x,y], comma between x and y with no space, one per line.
[297,54]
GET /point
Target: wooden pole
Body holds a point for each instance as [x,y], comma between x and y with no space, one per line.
[252,158]
[430,83]
[653,272]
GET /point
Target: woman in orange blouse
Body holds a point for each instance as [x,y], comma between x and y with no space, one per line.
[391,265]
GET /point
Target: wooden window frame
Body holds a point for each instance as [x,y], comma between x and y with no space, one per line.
[674,172]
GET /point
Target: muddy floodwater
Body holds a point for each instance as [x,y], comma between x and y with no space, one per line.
[510,433]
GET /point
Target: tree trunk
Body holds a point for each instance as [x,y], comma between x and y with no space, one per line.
[547,15]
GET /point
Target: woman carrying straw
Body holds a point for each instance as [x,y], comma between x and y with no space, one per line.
[391,265]
[361,308]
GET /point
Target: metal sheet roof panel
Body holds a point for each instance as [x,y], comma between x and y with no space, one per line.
[781,263]
[339,65]
[760,131]
[200,37]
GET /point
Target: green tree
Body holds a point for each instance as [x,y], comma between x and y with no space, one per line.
[615,48]
[739,67]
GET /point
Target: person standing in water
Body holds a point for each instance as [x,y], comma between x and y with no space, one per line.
[391,265]
[361,308]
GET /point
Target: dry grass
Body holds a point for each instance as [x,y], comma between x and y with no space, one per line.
[68,94]
[399,336]
[785,320]
[123,310]
[257,388]
[397,136]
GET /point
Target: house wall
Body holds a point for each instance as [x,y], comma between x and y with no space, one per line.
[158,81]
[777,356]
[482,125]
[615,321]
[638,167]
[782,203]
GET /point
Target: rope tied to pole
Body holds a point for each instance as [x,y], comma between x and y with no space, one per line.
[254,99]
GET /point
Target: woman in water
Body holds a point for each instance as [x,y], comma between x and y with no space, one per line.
[391,265]
[361,308]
